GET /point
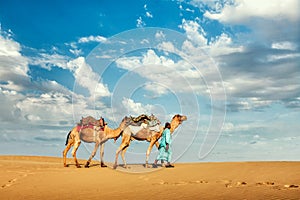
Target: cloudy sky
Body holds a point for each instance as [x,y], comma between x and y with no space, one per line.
[231,66]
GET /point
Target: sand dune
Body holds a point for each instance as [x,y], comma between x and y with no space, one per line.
[24,177]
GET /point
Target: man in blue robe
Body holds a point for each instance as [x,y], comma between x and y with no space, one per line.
[165,151]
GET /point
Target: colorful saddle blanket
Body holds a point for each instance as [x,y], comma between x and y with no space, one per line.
[96,128]
[90,122]
[143,120]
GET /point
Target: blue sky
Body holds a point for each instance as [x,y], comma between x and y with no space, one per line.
[231,66]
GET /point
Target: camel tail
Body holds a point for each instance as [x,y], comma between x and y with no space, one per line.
[68,138]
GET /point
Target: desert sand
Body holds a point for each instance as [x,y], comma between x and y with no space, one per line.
[26,177]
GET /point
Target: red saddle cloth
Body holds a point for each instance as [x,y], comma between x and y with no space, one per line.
[79,127]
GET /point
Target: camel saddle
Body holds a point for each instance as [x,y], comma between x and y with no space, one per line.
[136,129]
[151,120]
[89,122]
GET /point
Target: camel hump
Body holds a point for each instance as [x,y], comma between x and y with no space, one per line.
[150,120]
[140,118]
[89,120]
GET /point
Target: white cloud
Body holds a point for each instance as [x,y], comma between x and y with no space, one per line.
[285,45]
[242,10]
[157,89]
[164,71]
[148,14]
[92,38]
[167,47]
[150,58]
[53,86]
[273,58]
[76,52]
[194,32]
[136,108]
[48,61]
[160,35]
[227,127]
[46,107]
[13,65]
[9,47]
[248,104]
[87,78]
[244,70]
[140,23]
[129,64]
[10,56]
[223,45]
[189,10]
[197,42]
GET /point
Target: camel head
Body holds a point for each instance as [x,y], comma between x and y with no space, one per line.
[177,120]
[125,122]
[101,122]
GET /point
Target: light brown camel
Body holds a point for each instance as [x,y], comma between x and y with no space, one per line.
[145,134]
[92,135]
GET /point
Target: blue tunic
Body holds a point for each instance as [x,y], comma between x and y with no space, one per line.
[165,139]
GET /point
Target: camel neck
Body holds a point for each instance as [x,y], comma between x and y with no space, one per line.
[112,133]
[174,125]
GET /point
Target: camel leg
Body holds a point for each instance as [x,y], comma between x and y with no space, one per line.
[76,146]
[157,144]
[123,155]
[92,155]
[101,155]
[124,144]
[65,152]
[149,151]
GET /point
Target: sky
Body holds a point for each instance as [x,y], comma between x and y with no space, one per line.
[231,66]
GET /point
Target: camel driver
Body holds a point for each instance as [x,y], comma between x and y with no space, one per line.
[165,151]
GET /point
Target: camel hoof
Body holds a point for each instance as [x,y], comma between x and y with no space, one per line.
[65,165]
[78,166]
[115,167]
[103,165]
[87,165]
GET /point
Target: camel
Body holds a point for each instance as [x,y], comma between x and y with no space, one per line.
[92,135]
[145,134]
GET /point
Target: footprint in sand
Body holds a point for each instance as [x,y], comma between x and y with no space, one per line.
[197,182]
[180,183]
[227,183]
[287,186]
[291,186]
[10,182]
[241,183]
[190,182]
[278,187]
[162,182]
[265,183]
